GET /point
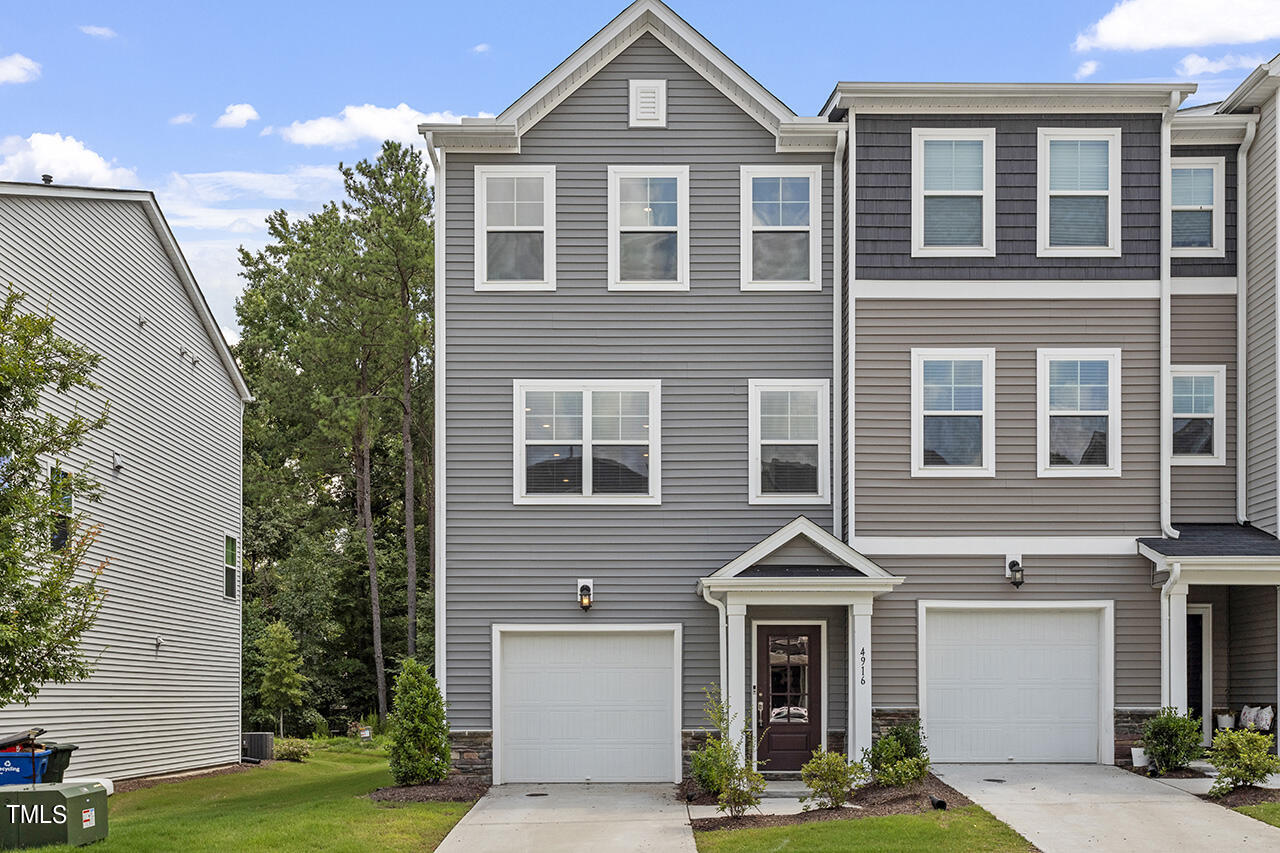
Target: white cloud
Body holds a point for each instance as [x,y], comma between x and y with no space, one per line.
[1149,24]
[237,115]
[183,118]
[238,202]
[98,32]
[1195,65]
[482,47]
[216,266]
[1087,68]
[64,157]
[355,123]
[16,68]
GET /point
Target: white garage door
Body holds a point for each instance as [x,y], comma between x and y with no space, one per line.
[1012,685]
[597,705]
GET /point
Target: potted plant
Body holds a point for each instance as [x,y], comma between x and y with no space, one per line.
[1139,756]
[1227,720]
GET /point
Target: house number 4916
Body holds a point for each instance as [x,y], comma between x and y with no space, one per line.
[862,655]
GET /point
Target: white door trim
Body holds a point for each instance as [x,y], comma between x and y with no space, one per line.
[755,670]
[1206,665]
[498,630]
[1106,654]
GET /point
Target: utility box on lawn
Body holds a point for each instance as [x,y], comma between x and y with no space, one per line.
[64,813]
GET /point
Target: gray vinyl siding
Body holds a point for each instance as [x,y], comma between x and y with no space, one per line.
[1225,266]
[1253,646]
[890,502]
[836,660]
[100,268]
[1124,580]
[510,563]
[799,552]
[1204,333]
[884,200]
[1219,597]
[1261,298]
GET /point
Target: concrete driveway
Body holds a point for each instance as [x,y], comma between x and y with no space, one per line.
[1069,807]
[587,818]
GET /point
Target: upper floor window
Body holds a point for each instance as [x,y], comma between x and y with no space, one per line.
[230,562]
[515,227]
[790,441]
[953,197]
[1199,415]
[781,227]
[62,500]
[648,227]
[953,413]
[1078,409]
[596,442]
[1078,190]
[1198,222]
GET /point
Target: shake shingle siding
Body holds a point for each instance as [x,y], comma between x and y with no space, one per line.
[1261,380]
[1225,266]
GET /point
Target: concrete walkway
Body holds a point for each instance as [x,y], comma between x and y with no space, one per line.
[574,819]
[1070,807]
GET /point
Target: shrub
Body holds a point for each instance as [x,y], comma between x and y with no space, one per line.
[899,757]
[735,782]
[419,732]
[909,735]
[904,772]
[743,787]
[1241,757]
[313,721]
[290,749]
[709,765]
[830,778]
[1172,740]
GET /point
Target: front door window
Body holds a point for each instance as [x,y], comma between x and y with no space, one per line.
[788,695]
[789,678]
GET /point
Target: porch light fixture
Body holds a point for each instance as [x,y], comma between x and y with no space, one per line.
[1014,573]
[585,593]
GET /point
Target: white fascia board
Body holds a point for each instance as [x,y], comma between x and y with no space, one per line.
[931,546]
[1006,97]
[997,289]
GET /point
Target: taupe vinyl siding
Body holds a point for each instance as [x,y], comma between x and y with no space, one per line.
[100,268]
[510,563]
[1219,597]
[1225,266]
[890,502]
[1123,580]
[1253,646]
[1204,333]
[1261,355]
[884,200]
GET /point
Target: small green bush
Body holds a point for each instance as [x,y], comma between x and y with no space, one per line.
[905,772]
[899,757]
[1241,757]
[709,765]
[1172,740]
[418,730]
[831,779]
[313,721]
[909,735]
[884,752]
[736,782]
[290,749]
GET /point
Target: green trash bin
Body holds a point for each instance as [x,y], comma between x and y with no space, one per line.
[52,813]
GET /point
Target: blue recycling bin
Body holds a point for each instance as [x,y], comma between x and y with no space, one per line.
[23,768]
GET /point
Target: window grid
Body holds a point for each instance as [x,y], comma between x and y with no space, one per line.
[1078,395]
[651,200]
[1198,187]
[956,385]
[803,423]
[514,202]
[1198,398]
[778,201]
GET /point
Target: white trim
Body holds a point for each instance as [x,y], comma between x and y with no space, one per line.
[681,228]
[1219,374]
[1112,136]
[985,135]
[1093,546]
[1113,413]
[985,98]
[800,526]
[236,566]
[1218,249]
[749,228]
[994,289]
[439,451]
[823,387]
[1206,666]
[988,413]
[837,339]
[652,387]
[1226,285]
[1106,655]
[825,721]
[851,320]
[634,89]
[548,227]
[495,709]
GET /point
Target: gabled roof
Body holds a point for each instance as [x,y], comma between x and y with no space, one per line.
[801,527]
[170,245]
[1261,83]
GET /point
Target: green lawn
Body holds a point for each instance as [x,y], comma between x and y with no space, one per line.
[319,805]
[961,830]
[1265,812]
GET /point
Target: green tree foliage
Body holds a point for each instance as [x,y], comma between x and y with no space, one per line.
[282,683]
[419,746]
[48,596]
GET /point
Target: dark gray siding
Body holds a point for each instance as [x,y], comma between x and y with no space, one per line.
[1219,597]
[1252,673]
[1261,341]
[884,200]
[510,563]
[1213,266]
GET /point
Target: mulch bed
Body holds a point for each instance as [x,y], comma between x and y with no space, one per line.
[875,801]
[689,792]
[1182,773]
[455,789]
[152,781]
[1246,795]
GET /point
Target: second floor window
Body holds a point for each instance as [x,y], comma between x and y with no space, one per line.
[1199,415]
[63,501]
[781,225]
[515,246]
[230,562]
[1078,402]
[1078,180]
[953,192]
[648,227]
[953,413]
[1197,220]
[790,442]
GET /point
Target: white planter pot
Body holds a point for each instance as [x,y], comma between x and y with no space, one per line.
[1139,756]
[1226,721]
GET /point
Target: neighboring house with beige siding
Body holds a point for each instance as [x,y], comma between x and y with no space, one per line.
[932,405]
[164,694]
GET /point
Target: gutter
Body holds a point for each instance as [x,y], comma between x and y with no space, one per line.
[722,621]
[1166,310]
[438,446]
[1175,573]
[837,339]
[1242,292]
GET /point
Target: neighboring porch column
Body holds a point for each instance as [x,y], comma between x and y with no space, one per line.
[1177,657]
[736,683]
[859,734]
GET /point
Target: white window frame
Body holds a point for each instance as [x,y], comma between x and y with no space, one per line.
[1219,374]
[681,229]
[815,228]
[1043,357]
[1111,135]
[988,358]
[234,567]
[634,119]
[654,390]
[987,136]
[548,228]
[1219,206]
[754,387]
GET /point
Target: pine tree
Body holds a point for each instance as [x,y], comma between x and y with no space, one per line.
[282,682]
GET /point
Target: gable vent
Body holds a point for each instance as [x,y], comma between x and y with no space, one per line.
[648,103]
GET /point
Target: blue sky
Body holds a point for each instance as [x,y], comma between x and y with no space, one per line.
[233,109]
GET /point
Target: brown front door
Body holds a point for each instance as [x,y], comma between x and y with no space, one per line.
[788,694]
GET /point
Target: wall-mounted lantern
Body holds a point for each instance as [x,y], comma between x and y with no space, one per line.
[586,592]
[117,461]
[1013,571]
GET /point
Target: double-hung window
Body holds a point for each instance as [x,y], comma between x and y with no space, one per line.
[1199,415]
[789,436]
[230,563]
[515,225]
[648,227]
[587,442]
[953,412]
[953,196]
[62,504]
[1198,222]
[1078,192]
[1078,412]
[781,227]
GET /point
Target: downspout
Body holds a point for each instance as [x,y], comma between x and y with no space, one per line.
[1242,319]
[837,340]
[722,620]
[438,446]
[1166,378]
[1175,574]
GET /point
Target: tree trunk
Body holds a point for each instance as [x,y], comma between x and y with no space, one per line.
[282,722]
[410,534]
[364,498]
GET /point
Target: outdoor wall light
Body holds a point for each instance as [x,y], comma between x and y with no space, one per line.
[1014,573]
[585,593]
[117,461]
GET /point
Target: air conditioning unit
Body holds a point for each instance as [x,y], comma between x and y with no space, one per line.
[258,745]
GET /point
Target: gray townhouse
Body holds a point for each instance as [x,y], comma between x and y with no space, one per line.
[954,401]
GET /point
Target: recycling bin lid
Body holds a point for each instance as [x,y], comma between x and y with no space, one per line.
[15,738]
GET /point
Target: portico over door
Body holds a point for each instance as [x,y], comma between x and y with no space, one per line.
[789,698]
